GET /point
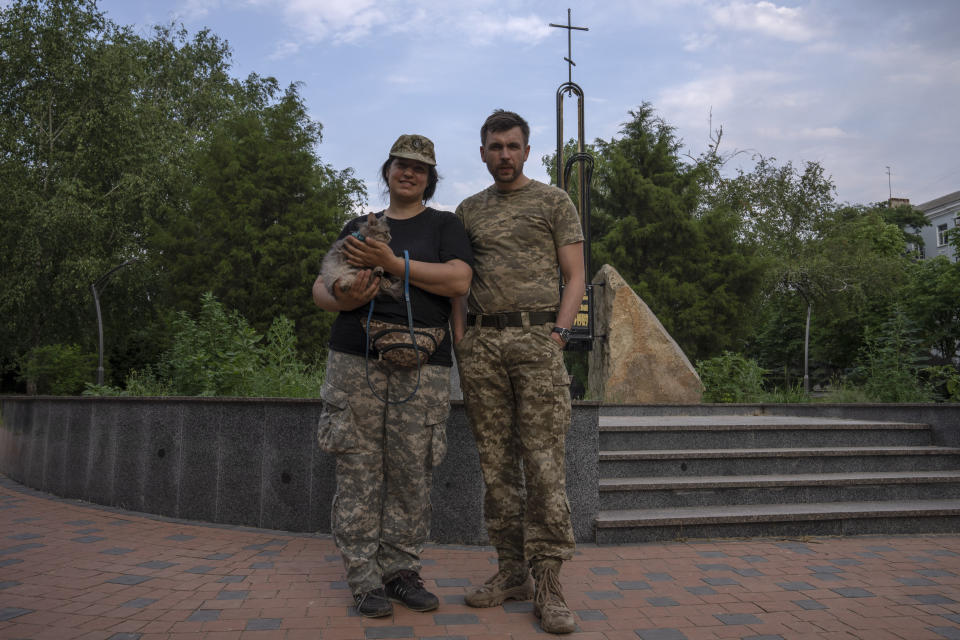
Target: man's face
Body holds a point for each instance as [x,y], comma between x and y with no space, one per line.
[504,154]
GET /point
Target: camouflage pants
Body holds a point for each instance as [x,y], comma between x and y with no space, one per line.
[517,396]
[385,456]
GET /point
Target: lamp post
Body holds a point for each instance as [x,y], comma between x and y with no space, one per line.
[96,303]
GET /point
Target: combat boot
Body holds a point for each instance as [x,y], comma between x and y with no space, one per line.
[548,603]
[504,585]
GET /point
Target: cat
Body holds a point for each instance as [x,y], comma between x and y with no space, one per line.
[335,266]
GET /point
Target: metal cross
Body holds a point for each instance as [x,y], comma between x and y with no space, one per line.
[569,27]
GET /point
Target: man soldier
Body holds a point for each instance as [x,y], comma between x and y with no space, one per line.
[509,334]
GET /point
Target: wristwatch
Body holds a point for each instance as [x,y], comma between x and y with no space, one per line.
[564,334]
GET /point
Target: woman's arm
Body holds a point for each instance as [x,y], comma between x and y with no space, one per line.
[450,279]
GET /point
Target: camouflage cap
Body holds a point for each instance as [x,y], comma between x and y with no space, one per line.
[414,147]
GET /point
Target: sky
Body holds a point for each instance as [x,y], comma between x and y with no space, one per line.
[870,89]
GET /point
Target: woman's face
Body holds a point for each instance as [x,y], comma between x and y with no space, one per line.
[407,179]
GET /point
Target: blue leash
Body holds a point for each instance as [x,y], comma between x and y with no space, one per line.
[413,339]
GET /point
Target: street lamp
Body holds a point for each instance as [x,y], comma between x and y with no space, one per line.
[96,303]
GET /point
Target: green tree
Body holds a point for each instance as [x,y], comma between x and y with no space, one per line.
[685,256]
[260,217]
[933,303]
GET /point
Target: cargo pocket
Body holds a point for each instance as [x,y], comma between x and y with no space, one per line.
[336,432]
[437,415]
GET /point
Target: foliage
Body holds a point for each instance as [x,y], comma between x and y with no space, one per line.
[57,369]
[730,377]
[111,141]
[686,261]
[932,301]
[889,362]
[260,217]
[219,354]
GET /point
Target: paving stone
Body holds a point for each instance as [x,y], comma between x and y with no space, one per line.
[10,561]
[930,598]
[140,603]
[599,571]
[86,532]
[916,582]
[116,551]
[82,523]
[267,565]
[129,579]
[11,583]
[452,582]
[714,567]
[373,633]
[512,606]
[127,635]
[182,537]
[200,568]
[455,618]
[748,573]
[793,586]
[719,582]
[157,564]
[453,598]
[810,605]
[661,601]
[238,594]
[659,577]
[828,577]
[9,613]
[591,614]
[712,554]
[937,573]
[853,592]
[952,617]
[702,591]
[737,618]
[631,585]
[89,539]
[224,556]
[234,579]
[603,595]
[265,624]
[660,634]
[22,547]
[755,559]
[206,615]
[950,633]
[34,536]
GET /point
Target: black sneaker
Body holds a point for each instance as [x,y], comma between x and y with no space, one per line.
[407,589]
[373,604]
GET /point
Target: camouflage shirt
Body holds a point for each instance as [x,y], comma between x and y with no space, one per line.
[515,237]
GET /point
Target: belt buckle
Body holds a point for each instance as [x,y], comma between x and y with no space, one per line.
[501,321]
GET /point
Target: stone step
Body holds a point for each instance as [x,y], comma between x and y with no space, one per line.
[663,492]
[783,460]
[832,518]
[681,432]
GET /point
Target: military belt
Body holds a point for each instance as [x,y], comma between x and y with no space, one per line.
[512,319]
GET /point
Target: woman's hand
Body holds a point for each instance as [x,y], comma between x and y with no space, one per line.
[363,290]
[371,253]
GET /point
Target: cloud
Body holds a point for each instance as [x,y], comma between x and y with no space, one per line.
[782,23]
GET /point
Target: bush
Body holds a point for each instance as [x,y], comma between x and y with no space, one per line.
[730,377]
[219,354]
[888,363]
[57,369]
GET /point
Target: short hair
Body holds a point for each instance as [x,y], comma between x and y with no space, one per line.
[432,178]
[501,120]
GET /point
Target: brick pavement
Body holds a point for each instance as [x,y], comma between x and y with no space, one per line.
[71,570]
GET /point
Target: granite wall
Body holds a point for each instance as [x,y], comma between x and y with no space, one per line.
[240,461]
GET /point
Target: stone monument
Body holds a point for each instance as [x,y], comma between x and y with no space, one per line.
[634,360]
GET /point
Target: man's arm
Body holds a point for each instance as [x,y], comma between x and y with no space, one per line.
[570,258]
[458,317]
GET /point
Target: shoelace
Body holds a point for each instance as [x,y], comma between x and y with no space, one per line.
[408,582]
[549,588]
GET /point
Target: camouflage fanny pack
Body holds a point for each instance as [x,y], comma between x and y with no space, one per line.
[394,343]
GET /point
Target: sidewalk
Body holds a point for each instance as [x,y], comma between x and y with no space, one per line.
[73,570]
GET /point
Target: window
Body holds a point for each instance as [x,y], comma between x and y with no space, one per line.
[942,235]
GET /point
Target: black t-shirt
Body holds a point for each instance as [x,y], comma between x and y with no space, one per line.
[430,236]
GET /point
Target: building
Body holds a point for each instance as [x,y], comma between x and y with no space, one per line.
[943,214]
